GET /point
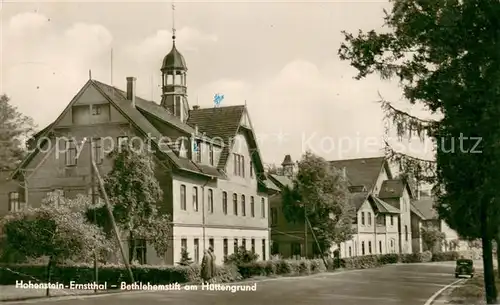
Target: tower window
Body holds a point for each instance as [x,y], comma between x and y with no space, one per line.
[178,105]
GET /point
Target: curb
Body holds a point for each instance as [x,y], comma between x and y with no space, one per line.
[438,293]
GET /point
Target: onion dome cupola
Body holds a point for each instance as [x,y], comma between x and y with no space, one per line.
[174,60]
[174,85]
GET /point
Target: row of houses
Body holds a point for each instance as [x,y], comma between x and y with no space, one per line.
[389,213]
[211,171]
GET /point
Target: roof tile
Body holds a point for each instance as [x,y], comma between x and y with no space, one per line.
[364,171]
[392,189]
[218,122]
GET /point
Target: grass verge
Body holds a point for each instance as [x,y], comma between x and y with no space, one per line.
[471,291]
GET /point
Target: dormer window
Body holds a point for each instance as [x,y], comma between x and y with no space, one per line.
[211,154]
[197,150]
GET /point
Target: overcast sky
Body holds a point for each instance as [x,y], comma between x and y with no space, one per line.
[280,57]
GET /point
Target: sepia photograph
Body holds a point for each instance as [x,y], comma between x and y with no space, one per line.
[249,152]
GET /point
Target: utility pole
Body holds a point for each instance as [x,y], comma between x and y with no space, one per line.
[317,243]
[305,230]
[92,187]
[113,222]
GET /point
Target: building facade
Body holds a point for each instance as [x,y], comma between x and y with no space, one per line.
[383,212]
[428,216]
[208,163]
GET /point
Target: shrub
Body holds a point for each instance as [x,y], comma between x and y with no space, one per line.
[242,256]
[185,259]
[426,256]
[287,267]
[410,258]
[84,273]
[360,262]
[445,256]
[390,258]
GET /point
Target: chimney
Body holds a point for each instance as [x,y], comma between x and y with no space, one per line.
[131,89]
[196,107]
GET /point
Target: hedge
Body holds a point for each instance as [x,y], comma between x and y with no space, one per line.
[159,275]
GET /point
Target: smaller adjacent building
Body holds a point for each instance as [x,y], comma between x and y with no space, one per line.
[424,205]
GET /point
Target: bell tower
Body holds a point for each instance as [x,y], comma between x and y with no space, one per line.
[174,86]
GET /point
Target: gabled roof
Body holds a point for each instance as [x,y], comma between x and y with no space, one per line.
[385,208]
[357,199]
[416,211]
[426,206]
[117,98]
[394,188]
[271,185]
[281,181]
[362,171]
[148,107]
[220,122]
[379,206]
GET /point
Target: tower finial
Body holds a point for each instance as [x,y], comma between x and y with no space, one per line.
[173,22]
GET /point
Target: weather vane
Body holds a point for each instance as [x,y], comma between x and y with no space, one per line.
[173,21]
[218,99]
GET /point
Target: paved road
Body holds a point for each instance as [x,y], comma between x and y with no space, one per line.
[396,284]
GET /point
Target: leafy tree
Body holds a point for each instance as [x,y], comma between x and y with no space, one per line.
[58,229]
[14,126]
[185,258]
[135,196]
[320,193]
[432,237]
[445,56]
[272,169]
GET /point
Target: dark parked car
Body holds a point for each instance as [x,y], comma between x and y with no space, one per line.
[464,267]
